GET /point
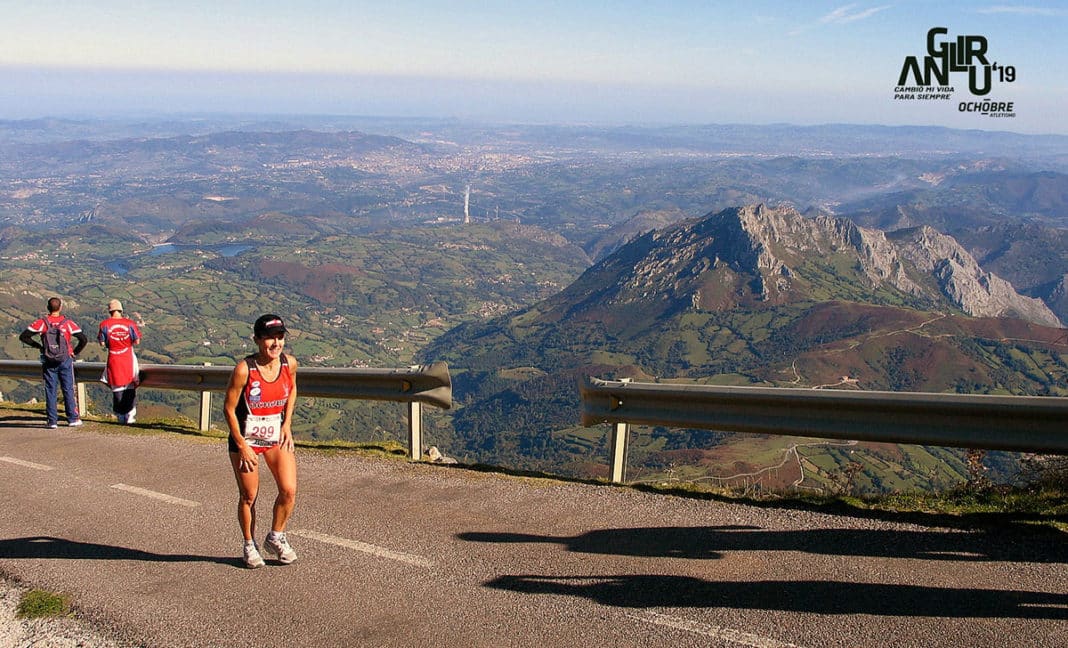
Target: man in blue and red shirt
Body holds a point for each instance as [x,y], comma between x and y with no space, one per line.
[57,371]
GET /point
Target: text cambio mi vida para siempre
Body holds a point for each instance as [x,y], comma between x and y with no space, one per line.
[964,54]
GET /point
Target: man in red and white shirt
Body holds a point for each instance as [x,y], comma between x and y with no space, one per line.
[118,334]
[60,371]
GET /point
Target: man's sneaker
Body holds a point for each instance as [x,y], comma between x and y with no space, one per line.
[74,423]
[253,559]
[276,544]
[52,426]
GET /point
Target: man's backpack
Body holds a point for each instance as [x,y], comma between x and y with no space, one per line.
[56,346]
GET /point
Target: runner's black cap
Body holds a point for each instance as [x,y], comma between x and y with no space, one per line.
[268,325]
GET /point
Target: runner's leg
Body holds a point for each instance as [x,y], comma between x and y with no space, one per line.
[283,465]
[248,484]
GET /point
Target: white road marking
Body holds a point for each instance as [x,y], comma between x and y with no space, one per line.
[163,497]
[716,632]
[375,550]
[26,464]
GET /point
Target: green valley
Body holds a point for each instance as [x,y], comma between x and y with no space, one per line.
[590,251]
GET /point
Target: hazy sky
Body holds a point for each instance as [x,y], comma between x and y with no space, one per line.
[752,61]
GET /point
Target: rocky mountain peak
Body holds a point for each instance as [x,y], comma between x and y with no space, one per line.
[759,254]
[795,236]
[976,291]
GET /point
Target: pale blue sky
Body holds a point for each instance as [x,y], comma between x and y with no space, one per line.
[753,61]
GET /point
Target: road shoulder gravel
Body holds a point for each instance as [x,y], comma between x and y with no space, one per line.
[53,632]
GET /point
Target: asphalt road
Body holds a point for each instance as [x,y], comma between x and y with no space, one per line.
[141,531]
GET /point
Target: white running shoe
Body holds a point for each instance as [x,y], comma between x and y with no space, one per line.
[74,423]
[253,559]
[276,544]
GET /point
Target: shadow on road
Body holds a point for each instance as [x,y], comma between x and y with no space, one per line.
[58,548]
[820,597]
[23,421]
[708,542]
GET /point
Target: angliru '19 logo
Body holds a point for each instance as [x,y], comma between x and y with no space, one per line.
[930,78]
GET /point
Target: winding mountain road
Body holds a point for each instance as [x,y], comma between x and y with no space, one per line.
[140,530]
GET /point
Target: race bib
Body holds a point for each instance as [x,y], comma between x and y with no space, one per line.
[263,431]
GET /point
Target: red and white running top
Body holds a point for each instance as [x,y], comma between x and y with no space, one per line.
[262,408]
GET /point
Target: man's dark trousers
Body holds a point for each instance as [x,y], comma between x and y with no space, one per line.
[59,374]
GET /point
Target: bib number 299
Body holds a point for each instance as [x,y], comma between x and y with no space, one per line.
[264,430]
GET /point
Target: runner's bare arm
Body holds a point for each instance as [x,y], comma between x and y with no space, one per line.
[233,394]
[291,404]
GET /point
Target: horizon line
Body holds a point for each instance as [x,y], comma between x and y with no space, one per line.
[193,115]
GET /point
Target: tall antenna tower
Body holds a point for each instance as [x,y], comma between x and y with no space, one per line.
[467,205]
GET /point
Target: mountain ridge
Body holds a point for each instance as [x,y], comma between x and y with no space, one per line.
[757,254]
[750,295]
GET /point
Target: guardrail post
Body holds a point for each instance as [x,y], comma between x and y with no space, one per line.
[205,408]
[83,400]
[620,438]
[620,433]
[415,430]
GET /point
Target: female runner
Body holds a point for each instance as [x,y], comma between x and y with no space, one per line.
[259,406]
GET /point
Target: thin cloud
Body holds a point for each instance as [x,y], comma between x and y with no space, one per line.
[849,13]
[1023,11]
[841,16]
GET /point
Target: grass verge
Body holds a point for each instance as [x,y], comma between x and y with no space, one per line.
[38,603]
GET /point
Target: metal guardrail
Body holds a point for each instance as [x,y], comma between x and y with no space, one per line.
[430,384]
[1014,423]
